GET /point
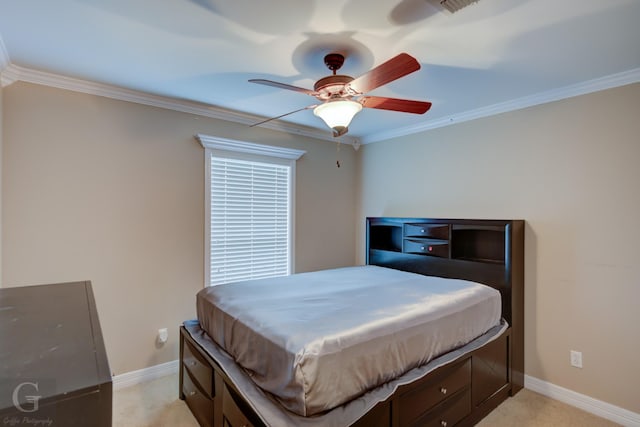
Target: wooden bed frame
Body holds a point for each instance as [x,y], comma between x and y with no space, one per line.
[461,392]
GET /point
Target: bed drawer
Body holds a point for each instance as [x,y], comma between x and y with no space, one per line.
[448,413]
[201,406]
[417,401]
[427,247]
[199,369]
[231,412]
[433,231]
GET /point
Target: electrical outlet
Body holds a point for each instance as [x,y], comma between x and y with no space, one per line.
[576,358]
[163,335]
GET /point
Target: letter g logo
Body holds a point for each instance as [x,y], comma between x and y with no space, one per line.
[30,399]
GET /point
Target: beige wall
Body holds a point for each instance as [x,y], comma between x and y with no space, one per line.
[571,169]
[110,191]
[113,192]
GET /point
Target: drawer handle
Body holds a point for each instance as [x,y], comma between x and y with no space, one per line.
[443,423]
[422,230]
[192,393]
[443,390]
[192,363]
[422,248]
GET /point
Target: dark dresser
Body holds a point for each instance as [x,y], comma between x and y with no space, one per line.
[53,365]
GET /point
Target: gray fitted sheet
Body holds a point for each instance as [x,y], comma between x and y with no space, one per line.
[317,340]
[272,414]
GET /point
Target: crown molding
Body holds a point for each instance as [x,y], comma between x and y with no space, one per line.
[595,85]
[4,55]
[10,73]
[4,61]
[14,73]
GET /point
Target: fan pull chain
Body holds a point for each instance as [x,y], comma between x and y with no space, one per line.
[338,153]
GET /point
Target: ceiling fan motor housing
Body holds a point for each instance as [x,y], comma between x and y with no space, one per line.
[334,61]
[332,87]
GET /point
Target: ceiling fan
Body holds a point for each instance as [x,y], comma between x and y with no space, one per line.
[342,97]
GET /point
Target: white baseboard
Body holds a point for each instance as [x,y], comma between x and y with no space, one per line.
[586,403]
[143,375]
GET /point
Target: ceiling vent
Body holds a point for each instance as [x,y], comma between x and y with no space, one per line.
[455,5]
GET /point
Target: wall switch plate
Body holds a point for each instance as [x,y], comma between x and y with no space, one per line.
[576,358]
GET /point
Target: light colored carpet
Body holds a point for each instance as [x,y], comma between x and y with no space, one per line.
[156,404]
[151,404]
[530,409]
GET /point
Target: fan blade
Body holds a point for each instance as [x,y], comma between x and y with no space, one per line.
[282,115]
[283,86]
[393,69]
[404,105]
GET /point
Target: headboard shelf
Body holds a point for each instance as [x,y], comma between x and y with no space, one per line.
[476,259]
[386,236]
[471,240]
[490,252]
[479,244]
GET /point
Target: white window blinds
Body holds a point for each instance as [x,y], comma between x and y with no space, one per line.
[249,216]
[249,220]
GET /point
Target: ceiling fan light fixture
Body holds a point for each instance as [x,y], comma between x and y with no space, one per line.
[336,92]
[338,114]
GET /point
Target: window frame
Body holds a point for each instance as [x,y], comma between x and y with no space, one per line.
[247,151]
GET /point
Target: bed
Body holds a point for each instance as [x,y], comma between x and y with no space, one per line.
[316,360]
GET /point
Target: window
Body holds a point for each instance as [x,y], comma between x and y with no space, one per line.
[249,218]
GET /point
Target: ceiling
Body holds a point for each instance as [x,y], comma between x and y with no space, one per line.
[486,55]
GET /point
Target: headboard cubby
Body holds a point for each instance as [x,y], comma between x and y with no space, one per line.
[490,252]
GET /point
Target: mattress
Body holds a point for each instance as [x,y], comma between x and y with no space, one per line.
[317,340]
[272,414]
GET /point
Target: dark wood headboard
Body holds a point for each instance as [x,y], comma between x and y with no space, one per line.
[490,252]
